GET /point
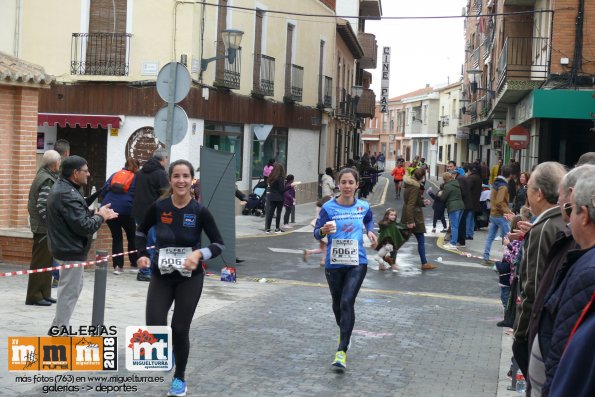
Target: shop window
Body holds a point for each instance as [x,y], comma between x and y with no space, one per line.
[227,138]
[275,147]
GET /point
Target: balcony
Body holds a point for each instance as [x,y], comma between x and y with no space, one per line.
[366,104]
[523,60]
[294,83]
[344,106]
[325,92]
[370,47]
[264,76]
[371,9]
[519,2]
[475,58]
[229,76]
[100,54]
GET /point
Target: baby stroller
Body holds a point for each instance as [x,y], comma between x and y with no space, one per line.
[256,200]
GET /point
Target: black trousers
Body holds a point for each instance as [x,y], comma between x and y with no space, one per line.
[520,351]
[185,291]
[463,226]
[116,225]
[274,206]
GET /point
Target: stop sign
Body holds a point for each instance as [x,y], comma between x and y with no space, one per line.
[518,137]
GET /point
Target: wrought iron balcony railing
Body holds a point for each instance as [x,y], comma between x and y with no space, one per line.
[264,75]
[101,54]
[294,83]
[524,58]
[229,75]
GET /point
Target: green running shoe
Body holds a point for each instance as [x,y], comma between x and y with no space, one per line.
[340,360]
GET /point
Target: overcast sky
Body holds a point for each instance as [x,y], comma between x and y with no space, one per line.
[423,51]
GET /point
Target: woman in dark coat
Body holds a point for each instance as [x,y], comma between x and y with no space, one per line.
[412,214]
[276,182]
[521,195]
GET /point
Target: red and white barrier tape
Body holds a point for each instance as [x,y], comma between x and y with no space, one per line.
[49,269]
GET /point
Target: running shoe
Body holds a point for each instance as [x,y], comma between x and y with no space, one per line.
[340,360]
[268,231]
[279,231]
[118,271]
[177,389]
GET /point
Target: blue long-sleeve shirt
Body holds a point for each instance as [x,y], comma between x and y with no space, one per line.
[350,222]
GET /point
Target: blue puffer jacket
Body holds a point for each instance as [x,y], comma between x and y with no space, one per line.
[563,306]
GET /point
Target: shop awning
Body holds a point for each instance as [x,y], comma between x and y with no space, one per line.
[370,138]
[81,120]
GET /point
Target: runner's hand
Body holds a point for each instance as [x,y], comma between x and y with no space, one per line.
[373,238]
[143,262]
[191,262]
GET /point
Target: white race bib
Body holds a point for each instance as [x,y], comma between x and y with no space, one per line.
[345,252]
[172,258]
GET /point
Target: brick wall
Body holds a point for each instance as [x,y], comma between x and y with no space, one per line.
[564,33]
[18,139]
[16,249]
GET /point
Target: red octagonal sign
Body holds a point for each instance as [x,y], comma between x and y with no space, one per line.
[518,137]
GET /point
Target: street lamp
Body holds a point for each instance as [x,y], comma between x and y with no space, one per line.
[231,40]
[473,84]
[357,91]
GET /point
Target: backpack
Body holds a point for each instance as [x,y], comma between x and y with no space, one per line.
[121,181]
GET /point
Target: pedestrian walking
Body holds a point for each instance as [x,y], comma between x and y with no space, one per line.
[71,225]
[288,200]
[343,219]
[390,233]
[119,192]
[498,209]
[452,197]
[276,182]
[151,182]
[39,286]
[398,172]
[412,214]
[179,222]
[323,241]
[327,183]
[438,207]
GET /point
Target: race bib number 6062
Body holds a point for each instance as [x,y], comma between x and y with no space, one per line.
[345,252]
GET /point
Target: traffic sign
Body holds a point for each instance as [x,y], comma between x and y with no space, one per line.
[518,137]
[179,124]
[181,85]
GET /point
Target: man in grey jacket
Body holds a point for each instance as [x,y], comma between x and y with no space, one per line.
[70,228]
[39,287]
[542,195]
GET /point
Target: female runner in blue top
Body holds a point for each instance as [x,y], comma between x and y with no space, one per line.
[342,219]
[177,272]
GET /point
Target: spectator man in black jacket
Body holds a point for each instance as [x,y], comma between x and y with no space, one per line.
[151,182]
[70,226]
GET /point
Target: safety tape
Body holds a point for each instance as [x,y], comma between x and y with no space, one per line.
[82,264]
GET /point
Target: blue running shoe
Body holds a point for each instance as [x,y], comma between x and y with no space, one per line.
[177,389]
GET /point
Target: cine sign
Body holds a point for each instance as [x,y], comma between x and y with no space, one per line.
[385,80]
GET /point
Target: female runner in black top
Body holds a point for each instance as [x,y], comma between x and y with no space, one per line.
[177,272]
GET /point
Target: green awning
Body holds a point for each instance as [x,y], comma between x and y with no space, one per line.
[557,104]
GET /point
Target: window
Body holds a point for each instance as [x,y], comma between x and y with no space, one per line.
[424,116]
[448,157]
[440,153]
[275,147]
[227,138]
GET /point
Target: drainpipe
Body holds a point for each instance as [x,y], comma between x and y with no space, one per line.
[17,28]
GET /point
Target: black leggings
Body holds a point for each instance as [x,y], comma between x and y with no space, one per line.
[288,211]
[273,206]
[439,217]
[116,225]
[344,284]
[185,291]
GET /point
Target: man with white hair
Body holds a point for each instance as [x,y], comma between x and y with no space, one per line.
[569,363]
[542,195]
[39,288]
[542,320]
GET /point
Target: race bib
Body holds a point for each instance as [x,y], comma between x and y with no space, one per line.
[172,259]
[345,252]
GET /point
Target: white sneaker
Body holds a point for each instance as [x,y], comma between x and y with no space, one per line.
[498,238]
[449,246]
[133,270]
[287,227]
[118,271]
